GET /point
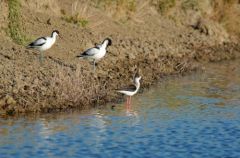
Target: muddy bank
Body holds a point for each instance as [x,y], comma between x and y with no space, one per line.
[157,47]
[59,86]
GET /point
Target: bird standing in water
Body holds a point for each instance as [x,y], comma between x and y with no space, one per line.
[96,53]
[131,90]
[44,43]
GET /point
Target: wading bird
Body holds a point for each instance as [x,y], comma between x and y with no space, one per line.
[130,90]
[44,43]
[97,52]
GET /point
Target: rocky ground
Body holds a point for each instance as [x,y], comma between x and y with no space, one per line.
[154,43]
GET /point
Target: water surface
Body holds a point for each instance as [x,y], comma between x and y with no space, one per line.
[193,116]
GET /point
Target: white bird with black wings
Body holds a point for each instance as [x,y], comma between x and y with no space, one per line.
[44,43]
[96,53]
[131,90]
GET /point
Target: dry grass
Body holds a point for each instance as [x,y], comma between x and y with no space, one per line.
[190,4]
[71,88]
[163,6]
[140,12]
[121,10]
[80,14]
[47,90]
[227,12]
[43,6]
[223,12]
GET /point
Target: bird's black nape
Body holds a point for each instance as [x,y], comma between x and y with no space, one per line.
[55,31]
[109,41]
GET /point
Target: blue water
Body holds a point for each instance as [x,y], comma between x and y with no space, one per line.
[193,116]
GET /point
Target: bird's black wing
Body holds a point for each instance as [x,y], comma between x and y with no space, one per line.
[128,88]
[38,42]
[89,52]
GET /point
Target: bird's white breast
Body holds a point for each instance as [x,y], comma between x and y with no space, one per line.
[49,43]
[129,93]
[101,53]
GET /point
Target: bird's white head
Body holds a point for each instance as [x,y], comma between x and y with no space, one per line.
[107,41]
[55,33]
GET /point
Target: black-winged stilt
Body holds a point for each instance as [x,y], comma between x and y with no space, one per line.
[131,90]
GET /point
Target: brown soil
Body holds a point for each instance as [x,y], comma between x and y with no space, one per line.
[155,44]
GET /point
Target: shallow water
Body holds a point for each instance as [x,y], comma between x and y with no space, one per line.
[192,116]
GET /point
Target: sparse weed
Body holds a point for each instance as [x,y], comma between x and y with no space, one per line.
[62,88]
[78,15]
[42,6]
[163,5]
[76,19]
[190,4]
[119,9]
[70,87]
[228,15]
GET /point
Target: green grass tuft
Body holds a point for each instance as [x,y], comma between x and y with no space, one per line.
[14,26]
[163,5]
[76,19]
[190,5]
[118,8]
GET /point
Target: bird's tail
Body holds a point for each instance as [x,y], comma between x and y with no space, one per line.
[117,90]
[29,46]
[80,56]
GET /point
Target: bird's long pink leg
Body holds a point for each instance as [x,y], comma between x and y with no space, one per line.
[130,98]
[127,103]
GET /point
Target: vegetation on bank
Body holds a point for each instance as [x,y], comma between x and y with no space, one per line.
[78,16]
[163,6]
[14,27]
[76,19]
[119,5]
[227,12]
[223,11]
[190,4]
[121,10]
